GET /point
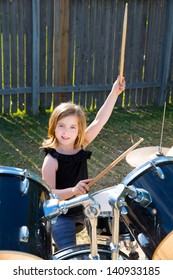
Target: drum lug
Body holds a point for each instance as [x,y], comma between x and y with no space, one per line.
[158,170]
[24,234]
[114,247]
[123,210]
[140,195]
[92,211]
[24,185]
[143,240]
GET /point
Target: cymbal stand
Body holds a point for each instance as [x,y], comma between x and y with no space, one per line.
[160,152]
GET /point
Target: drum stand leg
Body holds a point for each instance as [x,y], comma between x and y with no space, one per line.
[114,245]
[116,201]
[92,212]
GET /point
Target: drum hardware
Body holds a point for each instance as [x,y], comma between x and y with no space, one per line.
[154,212]
[132,247]
[143,240]
[24,185]
[118,204]
[140,195]
[53,208]
[24,234]
[114,199]
[158,170]
[115,244]
[92,212]
[123,210]
[159,152]
[105,217]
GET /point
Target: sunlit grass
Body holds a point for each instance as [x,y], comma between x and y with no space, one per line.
[21,137]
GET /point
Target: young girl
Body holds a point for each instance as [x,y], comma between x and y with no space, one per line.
[65,164]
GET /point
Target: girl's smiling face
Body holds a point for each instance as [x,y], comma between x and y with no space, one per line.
[66,130]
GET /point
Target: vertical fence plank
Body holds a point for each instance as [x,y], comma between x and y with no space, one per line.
[159,18]
[13,51]
[112,69]
[56,48]
[43,52]
[134,51]
[1,51]
[167,52]
[169,97]
[71,43]
[35,54]
[61,30]
[155,16]
[78,49]
[82,48]
[49,51]
[91,48]
[140,48]
[21,62]
[28,54]
[137,50]
[6,53]
[98,64]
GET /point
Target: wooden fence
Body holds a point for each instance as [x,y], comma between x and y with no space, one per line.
[60,50]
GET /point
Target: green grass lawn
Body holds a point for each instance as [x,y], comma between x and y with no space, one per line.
[21,138]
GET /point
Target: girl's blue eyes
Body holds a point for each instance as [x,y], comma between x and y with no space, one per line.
[60,125]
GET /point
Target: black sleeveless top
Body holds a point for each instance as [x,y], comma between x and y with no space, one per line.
[71,169]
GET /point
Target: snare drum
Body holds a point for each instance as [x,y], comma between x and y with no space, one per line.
[104,224]
[23,226]
[152,224]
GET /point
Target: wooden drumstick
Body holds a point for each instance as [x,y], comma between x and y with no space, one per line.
[123,43]
[114,163]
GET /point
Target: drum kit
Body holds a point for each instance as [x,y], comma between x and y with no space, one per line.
[137,213]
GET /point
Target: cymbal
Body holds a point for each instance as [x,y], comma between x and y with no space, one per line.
[139,156]
[170,152]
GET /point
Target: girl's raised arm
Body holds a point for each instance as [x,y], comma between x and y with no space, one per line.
[105,111]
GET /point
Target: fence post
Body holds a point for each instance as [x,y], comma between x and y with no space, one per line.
[35,55]
[167,50]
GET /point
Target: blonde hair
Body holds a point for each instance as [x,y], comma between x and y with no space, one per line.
[61,111]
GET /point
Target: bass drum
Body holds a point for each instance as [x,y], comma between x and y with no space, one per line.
[104,224]
[150,225]
[82,252]
[23,227]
